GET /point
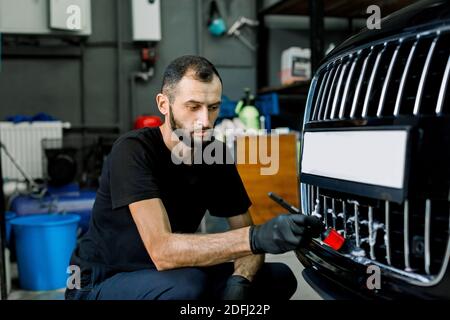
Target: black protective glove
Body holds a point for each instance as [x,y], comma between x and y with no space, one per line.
[237,288]
[284,233]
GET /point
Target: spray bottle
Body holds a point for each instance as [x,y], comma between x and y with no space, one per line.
[248,113]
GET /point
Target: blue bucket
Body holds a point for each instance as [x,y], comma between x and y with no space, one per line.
[9,215]
[44,244]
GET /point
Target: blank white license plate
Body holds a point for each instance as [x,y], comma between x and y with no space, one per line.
[374,157]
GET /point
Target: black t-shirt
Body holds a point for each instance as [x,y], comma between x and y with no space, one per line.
[140,167]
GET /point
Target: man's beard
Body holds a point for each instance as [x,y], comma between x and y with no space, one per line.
[188,137]
[174,124]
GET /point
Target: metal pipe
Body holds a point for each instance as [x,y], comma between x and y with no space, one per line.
[316,12]
[3,291]
[82,89]
[119,83]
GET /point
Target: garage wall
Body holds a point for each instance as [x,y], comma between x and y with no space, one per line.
[90,84]
[282,39]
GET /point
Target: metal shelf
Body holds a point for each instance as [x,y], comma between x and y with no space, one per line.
[316,10]
[297,88]
[333,8]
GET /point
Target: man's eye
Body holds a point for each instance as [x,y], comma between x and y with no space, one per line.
[213,108]
[193,108]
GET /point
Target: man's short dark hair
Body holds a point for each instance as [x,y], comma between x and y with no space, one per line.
[203,70]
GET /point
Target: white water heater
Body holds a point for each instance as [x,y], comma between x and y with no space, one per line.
[42,17]
[146,16]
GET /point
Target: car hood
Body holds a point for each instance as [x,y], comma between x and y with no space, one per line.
[411,19]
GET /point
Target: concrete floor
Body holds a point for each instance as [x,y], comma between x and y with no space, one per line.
[18,294]
[304,290]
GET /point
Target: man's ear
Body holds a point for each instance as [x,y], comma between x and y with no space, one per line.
[163,103]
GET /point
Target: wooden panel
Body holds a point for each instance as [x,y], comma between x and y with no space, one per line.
[284,182]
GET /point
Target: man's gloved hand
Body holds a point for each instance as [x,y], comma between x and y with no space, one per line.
[237,288]
[284,233]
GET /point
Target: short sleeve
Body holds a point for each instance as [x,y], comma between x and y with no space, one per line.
[131,174]
[229,197]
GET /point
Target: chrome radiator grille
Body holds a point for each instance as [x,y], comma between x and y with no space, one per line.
[397,77]
[403,76]
[412,236]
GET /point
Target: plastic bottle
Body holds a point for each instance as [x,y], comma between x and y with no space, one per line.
[247,112]
[295,65]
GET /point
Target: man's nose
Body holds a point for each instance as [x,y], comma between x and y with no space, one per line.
[203,117]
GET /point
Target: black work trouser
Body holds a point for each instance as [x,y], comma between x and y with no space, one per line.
[274,281]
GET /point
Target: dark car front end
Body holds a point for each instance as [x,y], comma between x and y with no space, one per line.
[375,160]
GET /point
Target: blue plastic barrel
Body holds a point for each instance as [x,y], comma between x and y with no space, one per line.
[77,202]
[44,244]
[9,215]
